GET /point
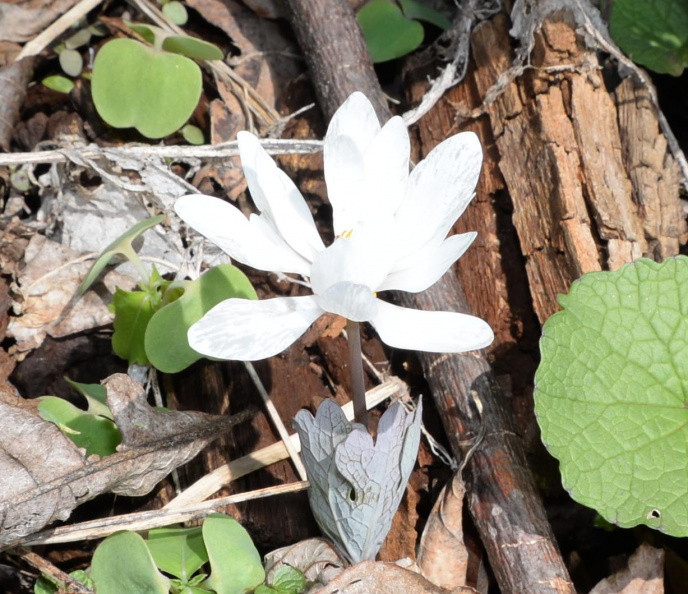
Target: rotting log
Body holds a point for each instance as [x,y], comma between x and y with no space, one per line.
[503,500]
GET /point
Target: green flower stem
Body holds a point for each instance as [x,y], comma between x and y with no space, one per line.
[133,257]
[353,333]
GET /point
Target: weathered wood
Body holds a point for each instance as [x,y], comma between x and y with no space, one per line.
[591,181]
[503,500]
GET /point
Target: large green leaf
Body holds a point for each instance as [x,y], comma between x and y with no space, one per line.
[122,563]
[93,433]
[144,88]
[388,33]
[178,551]
[653,33]
[235,562]
[167,346]
[612,393]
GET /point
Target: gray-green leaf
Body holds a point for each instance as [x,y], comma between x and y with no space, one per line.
[356,485]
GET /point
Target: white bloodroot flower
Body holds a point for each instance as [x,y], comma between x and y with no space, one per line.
[391,234]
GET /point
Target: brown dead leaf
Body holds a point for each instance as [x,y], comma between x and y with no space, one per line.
[315,557]
[45,476]
[442,555]
[268,59]
[644,574]
[14,79]
[21,21]
[47,284]
[371,576]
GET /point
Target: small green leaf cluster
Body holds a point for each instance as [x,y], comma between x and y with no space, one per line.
[171,559]
[611,393]
[654,33]
[71,61]
[153,89]
[151,323]
[391,28]
[93,429]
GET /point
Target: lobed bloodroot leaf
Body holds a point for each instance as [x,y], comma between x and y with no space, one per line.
[357,485]
[611,393]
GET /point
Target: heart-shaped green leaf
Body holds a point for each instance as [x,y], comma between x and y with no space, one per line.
[388,33]
[612,393]
[178,551]
[234,560]
[420,12]
[123,563]
[121,245]
[167,346]
[91,432]
[191,47]
[141,87]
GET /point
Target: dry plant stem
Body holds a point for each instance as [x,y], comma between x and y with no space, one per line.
[176,153]
[56,573]
[503,499]
[224,475]
[353,332]
[277,421]
[45,38]
[154,518]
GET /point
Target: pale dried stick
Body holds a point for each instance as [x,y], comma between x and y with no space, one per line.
[147,520]
[222,476]
[177,153]
[277,421]
[46,37]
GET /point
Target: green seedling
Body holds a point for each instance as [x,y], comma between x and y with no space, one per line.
[93,429]
[172,559]
[20,181]
[58,83]
[611,393]
[49,585]
[654,33]
[152,322]
[391,29]
[153,89]
[175,11]
[193,134]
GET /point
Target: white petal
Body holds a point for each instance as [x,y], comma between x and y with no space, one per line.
[278,198]
[387,168]
[351,132]
[248,330]
[439,189]
[356,118]
[431,331]
[428,265]
[364,259]
[254,243]
[351,301]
